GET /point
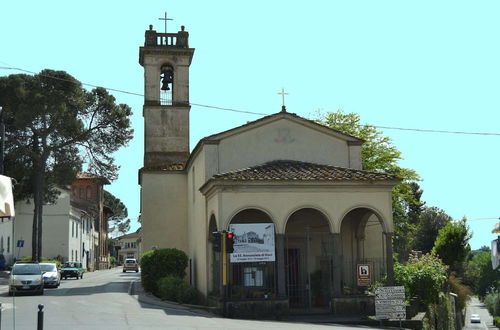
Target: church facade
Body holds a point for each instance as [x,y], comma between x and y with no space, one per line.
[312,228]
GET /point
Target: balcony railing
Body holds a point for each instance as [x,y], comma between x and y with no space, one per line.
[179,39]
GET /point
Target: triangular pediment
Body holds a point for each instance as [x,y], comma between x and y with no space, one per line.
[282,116]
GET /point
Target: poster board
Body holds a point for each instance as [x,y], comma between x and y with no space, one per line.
[253,242]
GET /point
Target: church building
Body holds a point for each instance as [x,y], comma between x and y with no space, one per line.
[312,229]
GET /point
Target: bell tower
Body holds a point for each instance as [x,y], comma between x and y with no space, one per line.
[166,58]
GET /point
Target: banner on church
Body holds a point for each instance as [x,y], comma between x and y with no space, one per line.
[253,242]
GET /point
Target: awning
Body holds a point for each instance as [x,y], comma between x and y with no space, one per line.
[6,197]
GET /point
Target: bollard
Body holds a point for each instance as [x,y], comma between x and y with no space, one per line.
[40,317]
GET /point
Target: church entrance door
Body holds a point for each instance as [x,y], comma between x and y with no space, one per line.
[308,261]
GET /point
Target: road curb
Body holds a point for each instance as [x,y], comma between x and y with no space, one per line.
[135,289]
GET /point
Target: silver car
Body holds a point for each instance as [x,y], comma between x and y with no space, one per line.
[51,274]
[26,277]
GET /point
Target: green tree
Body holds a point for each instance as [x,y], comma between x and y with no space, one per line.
[452,244]
[378,154]
[53,126]
[480,275]
[432,220]
[119,219]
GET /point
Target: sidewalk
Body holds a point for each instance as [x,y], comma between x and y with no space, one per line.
[136,289]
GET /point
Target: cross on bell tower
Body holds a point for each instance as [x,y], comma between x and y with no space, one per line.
[166,58]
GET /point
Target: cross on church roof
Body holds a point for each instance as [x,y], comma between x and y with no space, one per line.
[165,19]
[283,93]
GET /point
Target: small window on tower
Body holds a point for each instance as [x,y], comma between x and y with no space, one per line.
[167,81]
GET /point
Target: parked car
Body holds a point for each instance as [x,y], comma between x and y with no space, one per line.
[130,264]
[72,269]
[51,275]
[26,277]
[474,318]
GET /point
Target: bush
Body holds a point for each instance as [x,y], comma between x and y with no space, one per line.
[173,288]
[422,277]
[462,291]
[440,314]
[55,261]
[156,264]
[492,302]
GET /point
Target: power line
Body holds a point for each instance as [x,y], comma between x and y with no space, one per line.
[421,130]
[488,218]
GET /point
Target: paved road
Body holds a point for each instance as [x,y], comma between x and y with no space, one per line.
[101,301]
[476,307]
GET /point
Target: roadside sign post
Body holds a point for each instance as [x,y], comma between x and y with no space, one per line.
[390,303]
[19,245]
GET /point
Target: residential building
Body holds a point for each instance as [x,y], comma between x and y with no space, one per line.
[74,226]
[128,246]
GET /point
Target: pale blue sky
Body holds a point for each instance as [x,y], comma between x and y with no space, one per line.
[409,64]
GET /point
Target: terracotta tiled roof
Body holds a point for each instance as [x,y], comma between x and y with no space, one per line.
[289,170]
[90,176]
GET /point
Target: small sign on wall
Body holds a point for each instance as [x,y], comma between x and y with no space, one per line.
[364,272]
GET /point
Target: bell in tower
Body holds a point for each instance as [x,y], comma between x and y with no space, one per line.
[167,77]
[166,58]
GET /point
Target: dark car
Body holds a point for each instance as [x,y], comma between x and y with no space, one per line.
[72,269]
[26,277]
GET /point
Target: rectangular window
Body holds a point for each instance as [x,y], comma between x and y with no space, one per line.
[72,229]
[76,233]
[8,244]
[253,276]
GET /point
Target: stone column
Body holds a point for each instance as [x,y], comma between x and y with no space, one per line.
[337,263]
[389,261]
[360,242]
[280,264]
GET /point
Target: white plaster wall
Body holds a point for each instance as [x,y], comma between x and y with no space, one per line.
[55,231]
[164,210]
[281,140]
[6,234]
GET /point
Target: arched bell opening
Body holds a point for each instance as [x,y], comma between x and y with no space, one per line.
[363,255]
[252,270]
[166,84]
[308,260]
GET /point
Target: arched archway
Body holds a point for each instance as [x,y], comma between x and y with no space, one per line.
[308,259]
[363,242]
[252,270]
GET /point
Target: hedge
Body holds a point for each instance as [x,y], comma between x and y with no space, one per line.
[156,264]
[173,288]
